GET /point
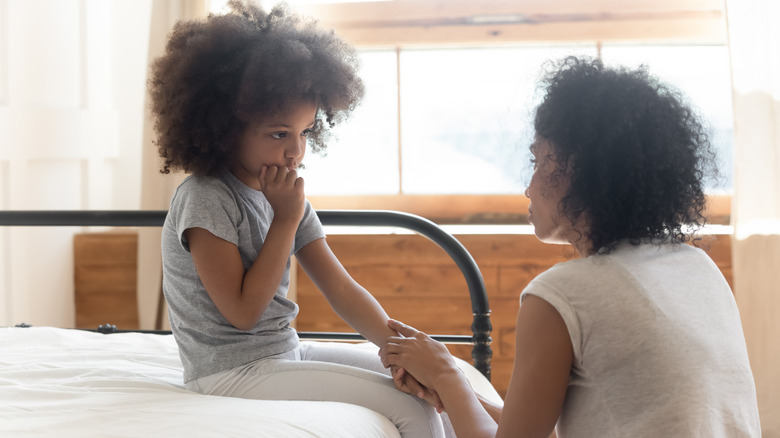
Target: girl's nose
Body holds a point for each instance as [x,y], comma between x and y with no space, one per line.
[295,148]
[526,192]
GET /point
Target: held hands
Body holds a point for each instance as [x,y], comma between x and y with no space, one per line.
[283,189]
[414,353]
[405,382]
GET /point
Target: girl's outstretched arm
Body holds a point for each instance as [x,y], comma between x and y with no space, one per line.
[539,378]
[349,300]
[355,305]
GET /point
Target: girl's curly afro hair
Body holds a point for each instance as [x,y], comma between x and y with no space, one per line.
[219,73]
[637,153]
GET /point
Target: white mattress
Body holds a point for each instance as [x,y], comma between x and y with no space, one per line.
[69,383]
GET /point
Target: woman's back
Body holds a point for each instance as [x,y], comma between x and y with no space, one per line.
[658,345]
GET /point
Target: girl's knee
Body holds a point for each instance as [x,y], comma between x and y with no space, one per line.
[414,417]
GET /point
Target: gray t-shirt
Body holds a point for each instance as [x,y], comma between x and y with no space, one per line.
[230,210]
[658,345]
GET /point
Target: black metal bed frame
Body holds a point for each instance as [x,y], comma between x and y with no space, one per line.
[481,327]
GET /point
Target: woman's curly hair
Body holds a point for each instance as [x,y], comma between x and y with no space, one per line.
[219,73]
[636,153]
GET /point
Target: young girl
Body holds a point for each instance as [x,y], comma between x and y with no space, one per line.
[236,99]
[641,335]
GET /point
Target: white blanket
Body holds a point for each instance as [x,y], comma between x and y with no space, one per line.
[69,383]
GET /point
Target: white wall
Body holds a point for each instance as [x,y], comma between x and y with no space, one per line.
[72,81]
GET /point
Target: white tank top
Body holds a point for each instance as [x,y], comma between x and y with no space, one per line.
[658,345]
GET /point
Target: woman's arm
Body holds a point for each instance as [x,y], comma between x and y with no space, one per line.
[536,391]
[493,409]
[540,376]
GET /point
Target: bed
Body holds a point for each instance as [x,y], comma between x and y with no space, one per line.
[109,382]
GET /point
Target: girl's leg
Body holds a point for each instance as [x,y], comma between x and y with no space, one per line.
[361,356]
[284,379]
[364,356]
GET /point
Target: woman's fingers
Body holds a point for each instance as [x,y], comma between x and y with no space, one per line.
[405,382]
[403,329]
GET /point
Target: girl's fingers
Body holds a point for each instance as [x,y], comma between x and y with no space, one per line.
[261,178]
[398,379]
[385,362]
[387,350]
[281,177]
[270,172]
[391,355]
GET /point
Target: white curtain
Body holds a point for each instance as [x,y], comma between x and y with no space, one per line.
[71,87]
[754,41]
[156,188]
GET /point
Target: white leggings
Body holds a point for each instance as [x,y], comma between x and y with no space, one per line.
[327,372]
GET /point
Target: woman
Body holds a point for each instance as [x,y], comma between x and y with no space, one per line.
[640,336]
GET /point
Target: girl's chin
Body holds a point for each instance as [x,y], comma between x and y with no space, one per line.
[250,179]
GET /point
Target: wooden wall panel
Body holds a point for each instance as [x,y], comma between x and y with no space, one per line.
[105,266]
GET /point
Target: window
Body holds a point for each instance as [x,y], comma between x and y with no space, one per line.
[363,158]
[465,124]
[458,120]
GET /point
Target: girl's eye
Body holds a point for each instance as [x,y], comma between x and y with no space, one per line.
[533,162]
[279,135]
[306,132]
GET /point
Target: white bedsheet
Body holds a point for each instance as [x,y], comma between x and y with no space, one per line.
[69,383]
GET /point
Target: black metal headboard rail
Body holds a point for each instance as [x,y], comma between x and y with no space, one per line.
[481,327]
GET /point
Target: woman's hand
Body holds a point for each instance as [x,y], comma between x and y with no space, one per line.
[419,355]
[434,367]
[405,382]
[283,189]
